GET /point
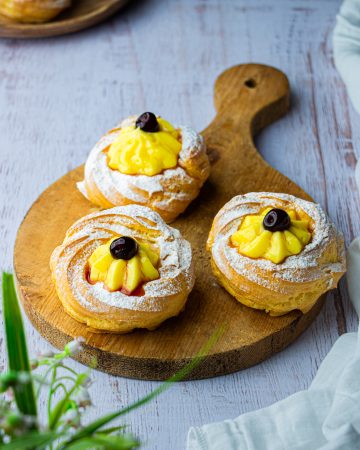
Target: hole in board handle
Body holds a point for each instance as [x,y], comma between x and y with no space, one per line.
[250,83]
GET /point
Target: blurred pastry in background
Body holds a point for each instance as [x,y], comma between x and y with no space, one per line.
[33,11]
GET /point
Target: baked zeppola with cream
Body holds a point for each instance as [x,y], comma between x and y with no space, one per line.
[33,11]
[123,268]
[147,161]
[275,252]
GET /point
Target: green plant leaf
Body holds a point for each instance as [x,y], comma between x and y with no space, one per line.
[112,429]
[93,427]
[122,442]
[16,346]
[33,440]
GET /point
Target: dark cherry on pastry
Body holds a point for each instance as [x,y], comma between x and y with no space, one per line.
[147,122]
[124,248]
[117,295]
[149,162]
[277,220]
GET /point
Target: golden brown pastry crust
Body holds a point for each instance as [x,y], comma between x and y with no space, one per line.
[168,193]
[106,311]
[33,11]
[299,281]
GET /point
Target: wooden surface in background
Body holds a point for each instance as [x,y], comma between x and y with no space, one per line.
[247,98]
[59,95]
[82,14]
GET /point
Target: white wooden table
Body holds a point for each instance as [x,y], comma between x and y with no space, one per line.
[57,96]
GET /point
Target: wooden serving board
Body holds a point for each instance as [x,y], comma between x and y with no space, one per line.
[83,14]
[247,98]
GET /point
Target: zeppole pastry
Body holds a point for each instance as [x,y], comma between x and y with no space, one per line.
[33,11]
[275,252]
[123,268]
[147,161]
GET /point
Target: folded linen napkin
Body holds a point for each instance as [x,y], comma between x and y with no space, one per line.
[324,417]
[347,48]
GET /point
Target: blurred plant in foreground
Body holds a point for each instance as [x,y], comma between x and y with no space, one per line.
[65,392]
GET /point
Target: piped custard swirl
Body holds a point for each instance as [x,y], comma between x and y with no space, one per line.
[137,152]
[123,264]
[257,240]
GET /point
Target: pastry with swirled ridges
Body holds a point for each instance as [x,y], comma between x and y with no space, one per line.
[163,168]
[275,252]
[121,269]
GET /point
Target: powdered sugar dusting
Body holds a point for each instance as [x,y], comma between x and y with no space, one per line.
[143,224]
[143,189]
[306,266]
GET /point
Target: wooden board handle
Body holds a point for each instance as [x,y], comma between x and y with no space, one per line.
[248,97]
[252,93]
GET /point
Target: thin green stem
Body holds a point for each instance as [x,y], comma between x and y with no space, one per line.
[66,378]
[60,409]
[45,376]
[50,394]
[69,369]
[60,386]
[48,371]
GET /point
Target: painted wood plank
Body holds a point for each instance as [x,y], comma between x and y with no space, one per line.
[58,96]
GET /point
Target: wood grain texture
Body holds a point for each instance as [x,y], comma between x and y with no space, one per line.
[92,79]
[247,98]
[83,14]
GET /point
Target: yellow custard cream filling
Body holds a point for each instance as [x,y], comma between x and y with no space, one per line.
[137,152]
[120,274]
[254,241]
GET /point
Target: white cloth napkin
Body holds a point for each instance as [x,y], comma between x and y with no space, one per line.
[325,417]
[347,48]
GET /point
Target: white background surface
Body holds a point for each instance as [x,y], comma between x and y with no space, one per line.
[58,96]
